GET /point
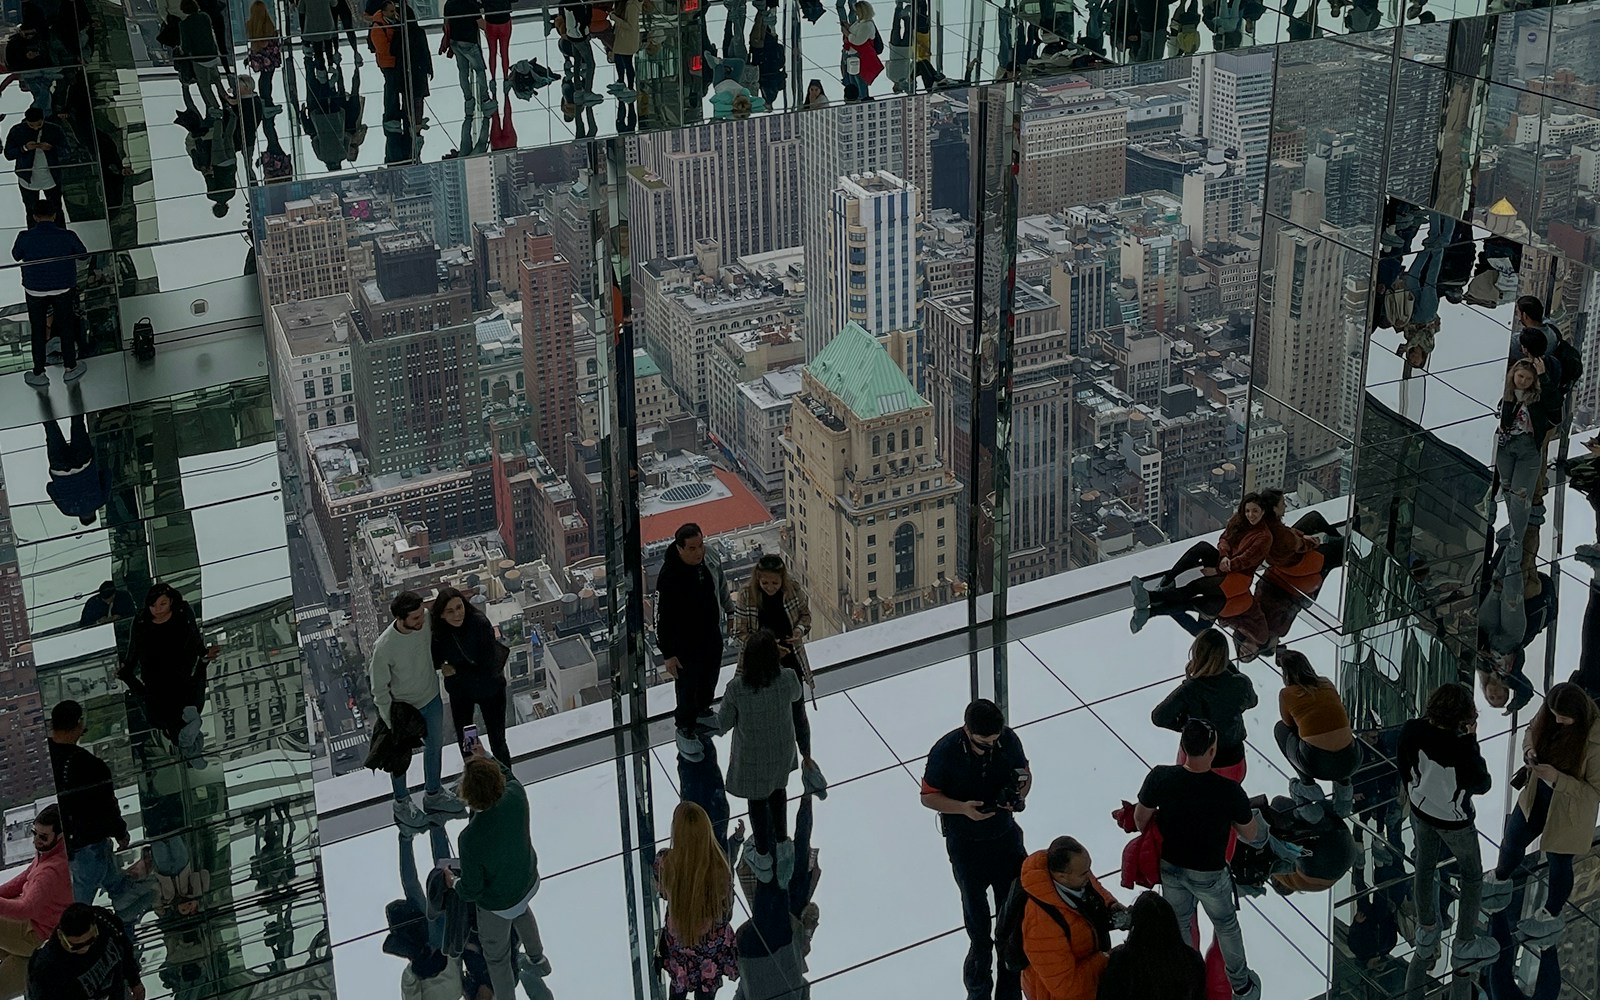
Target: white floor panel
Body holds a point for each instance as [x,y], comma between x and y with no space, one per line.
[920,972]
[1289,915]
[1273,954]
[1099,659]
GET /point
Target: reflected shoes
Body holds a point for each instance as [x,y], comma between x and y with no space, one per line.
[1589,555]
[813,781]
[1427,941]
[1251,991]
[408,817]
[1496,893]
[1141,606]
[38,380]
[785,862]
[1541,931]
[689,746]
[1344,794]
[443,804]
[1473,952]
[760,864]
[1306,792]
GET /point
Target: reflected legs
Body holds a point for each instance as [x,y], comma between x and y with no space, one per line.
[1462,844]
[769,820]
[500,951]
[17,942]
[1587,675]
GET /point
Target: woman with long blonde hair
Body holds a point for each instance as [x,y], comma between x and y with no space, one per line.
[696,949]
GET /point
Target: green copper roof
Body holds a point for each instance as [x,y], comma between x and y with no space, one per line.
[644,365]
[856,368]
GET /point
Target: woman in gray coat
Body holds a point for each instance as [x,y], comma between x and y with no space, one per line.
[757,709]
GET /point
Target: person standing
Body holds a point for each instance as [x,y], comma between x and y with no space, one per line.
[344,11]
[1213,689]
[402,670]
[691,604]
[37,179]
[1442,768]
[497,37]
[166,669]
[461,42]
[1198,811]
[696,949]
[387,44]
[757,709]
[466,654]
[78,486]
[1155,963]
[1559,805]
[31,904]
[499,870]
[266,49]
[318,32]
[1066,949]
[49,253]
[1314,731]
[977,778]
[775,601]
[90,816]
[625,45]
[197,43]
[89,957]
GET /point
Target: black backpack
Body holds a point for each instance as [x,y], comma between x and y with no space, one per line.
[1008,926]
[144,340]
[1568,357]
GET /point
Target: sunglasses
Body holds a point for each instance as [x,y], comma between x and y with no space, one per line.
[80,946]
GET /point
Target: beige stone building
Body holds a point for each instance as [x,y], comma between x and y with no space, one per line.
[872,507]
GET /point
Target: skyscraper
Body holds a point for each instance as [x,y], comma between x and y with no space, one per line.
[1074,147]
[305,251]
[547,347]
[842,141]
[873,508]
[874,274]
[1230,103]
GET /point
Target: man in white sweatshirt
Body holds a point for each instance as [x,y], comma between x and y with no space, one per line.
[402,671]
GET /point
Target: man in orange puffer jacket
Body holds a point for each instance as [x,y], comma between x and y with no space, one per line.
[1064,966]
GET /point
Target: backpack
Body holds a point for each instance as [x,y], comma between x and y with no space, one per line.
[1008,926]
[1568,356]
[144,340]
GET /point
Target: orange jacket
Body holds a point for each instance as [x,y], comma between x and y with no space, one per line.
[383,36]
[1057,969]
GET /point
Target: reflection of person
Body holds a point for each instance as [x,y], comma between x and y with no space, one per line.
[402,670]
[1443,768]
[32,903]
[49,253]
[1215,580]
[1522,426]
[465,653]
[1314,729]
[37,178]
[696,949]
[165,668]
[266,53]
[89,957]
[463,43]
[1154,963]
[78,486]
[499,869]
[1558,805]
[691,601]
[774,942]
[106,604]
[497,33]
[976,778]
[1199,812]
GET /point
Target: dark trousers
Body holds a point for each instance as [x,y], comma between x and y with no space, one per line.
[979,867]
[494,718]
[393,83]
[30,198]
[769,820]
[1203,595]
[1520,831]
[347,20]
[57,314]
[1588,673]
[802,721]
[1313,763]
[66,455]
[695,687]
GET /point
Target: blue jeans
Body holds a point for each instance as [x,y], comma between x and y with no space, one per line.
[94,867]
[1184,887]
[439,842]
[1520,831]
[474,74]
[432,751]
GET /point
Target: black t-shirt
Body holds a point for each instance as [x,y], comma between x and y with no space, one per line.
[955,770]
[1195,813]
[462,18]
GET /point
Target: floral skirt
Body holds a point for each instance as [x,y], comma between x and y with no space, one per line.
[701,966]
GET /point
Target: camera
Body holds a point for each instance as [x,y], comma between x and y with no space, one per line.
[1010,796]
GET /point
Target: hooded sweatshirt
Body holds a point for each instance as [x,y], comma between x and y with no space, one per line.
[41,893]
[1062,968]
[1220,700]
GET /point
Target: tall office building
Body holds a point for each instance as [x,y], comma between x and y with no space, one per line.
[1215,198]
[305,251]
[1302,282]
[840,142]
[417,399]
[1074,147]
[874,275]
[730,181]
[548,356]
[872,507]
[1230,104]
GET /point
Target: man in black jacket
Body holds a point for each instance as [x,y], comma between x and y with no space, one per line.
[89,957]
[691,608]
[90,815]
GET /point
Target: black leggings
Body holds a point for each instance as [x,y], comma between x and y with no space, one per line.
[1587,675]
[769,820]
[1203,595]
[802,722]
[347,20]
[494,719]
[698,995]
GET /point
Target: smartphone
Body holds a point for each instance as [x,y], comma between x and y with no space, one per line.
[469,739]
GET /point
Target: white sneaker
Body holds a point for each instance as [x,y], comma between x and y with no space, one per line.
[443,803]
[408,817]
